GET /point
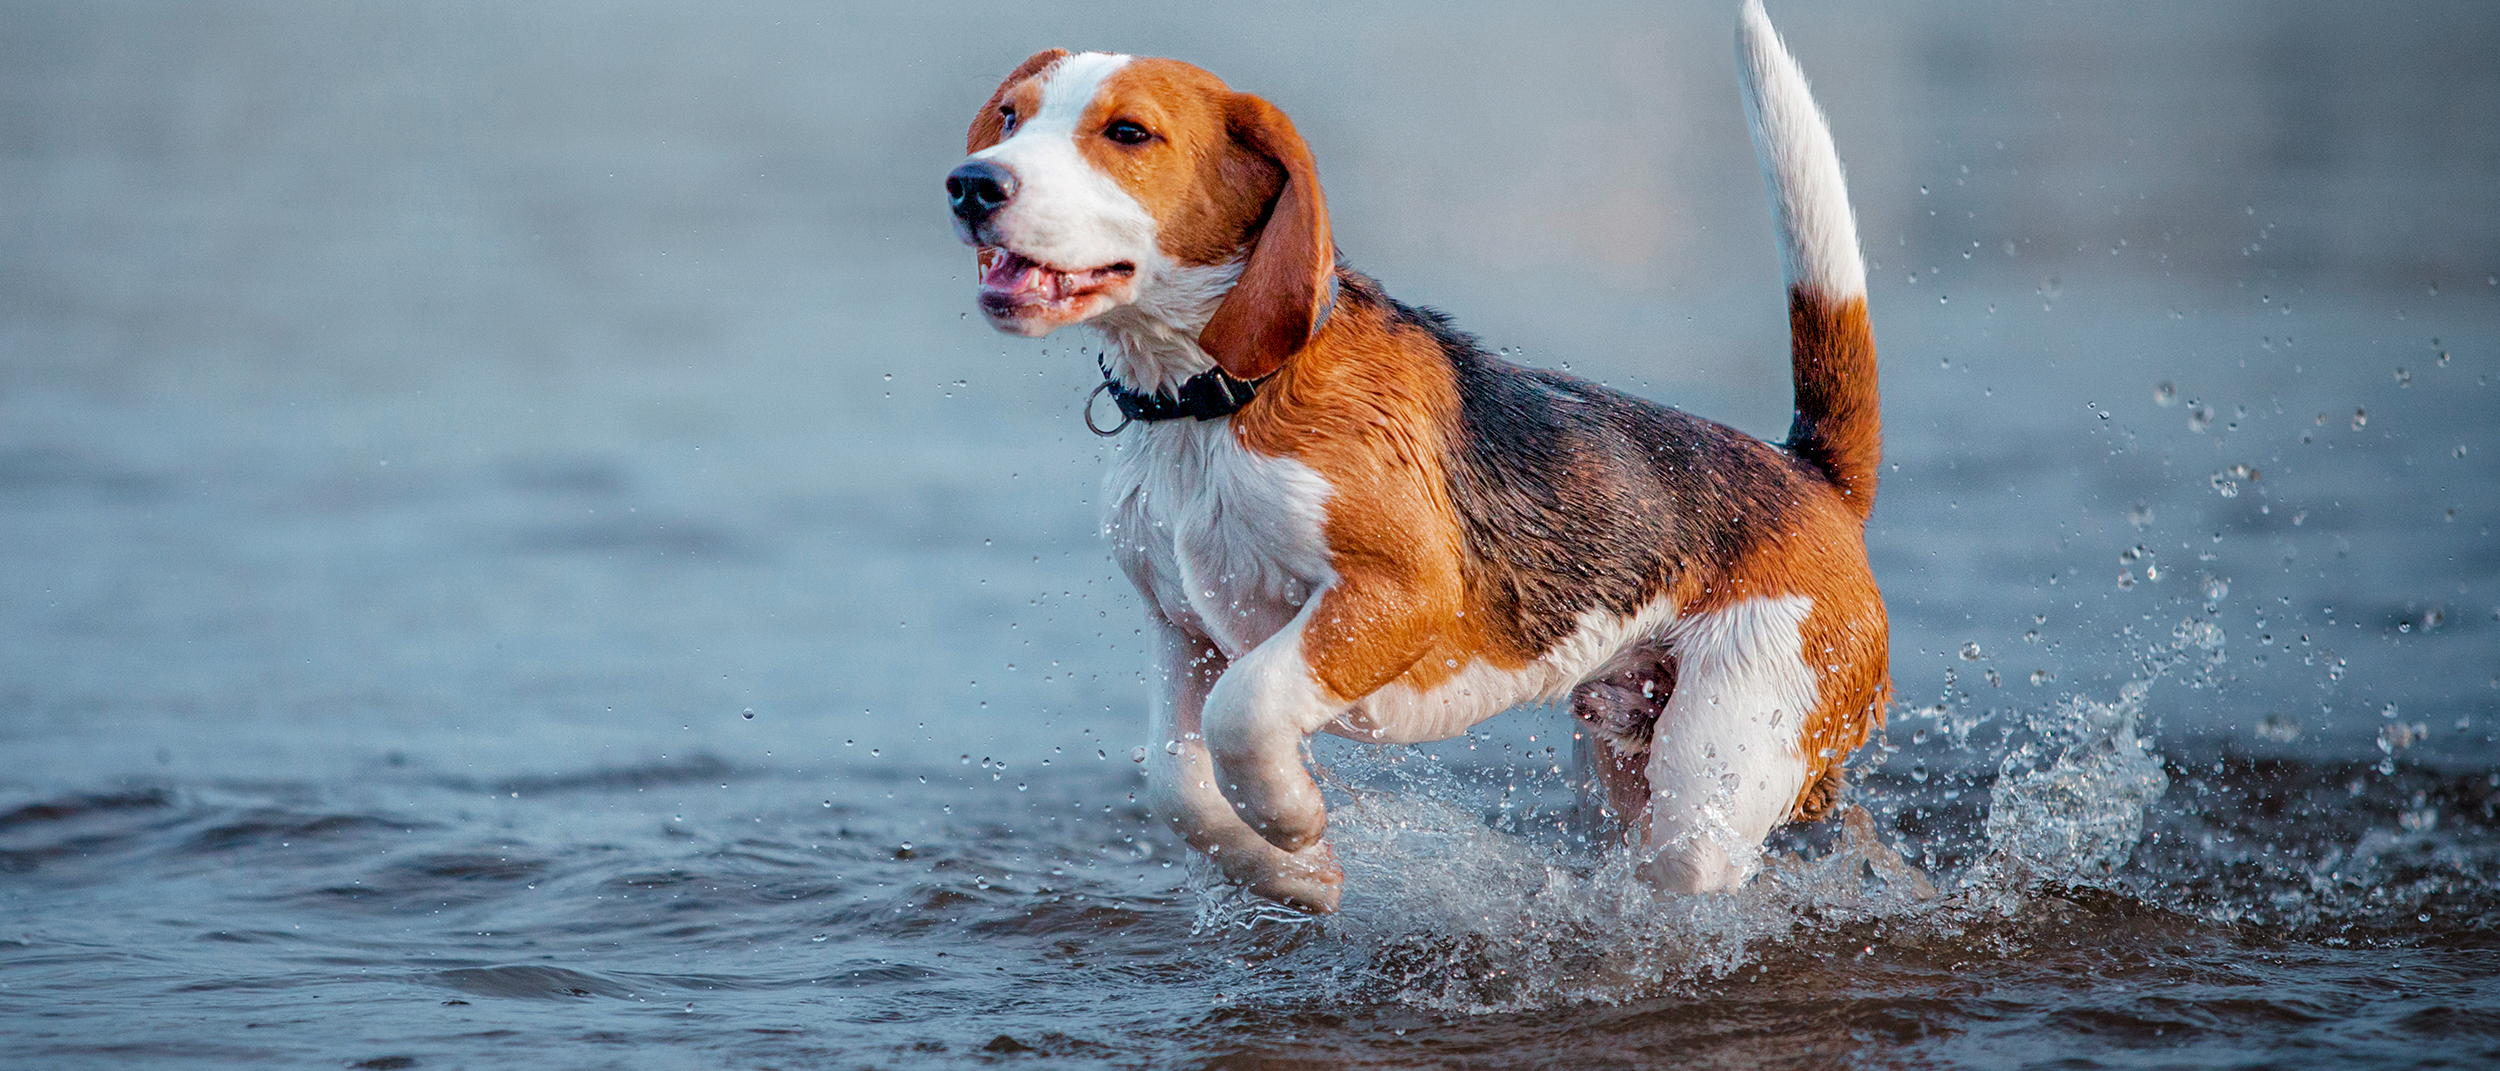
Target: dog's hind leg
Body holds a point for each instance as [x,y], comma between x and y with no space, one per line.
[1724,763]
[1181,786]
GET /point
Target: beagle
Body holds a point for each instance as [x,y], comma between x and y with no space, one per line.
[1344,515]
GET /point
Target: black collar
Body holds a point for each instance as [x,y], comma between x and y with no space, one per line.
[1205,396]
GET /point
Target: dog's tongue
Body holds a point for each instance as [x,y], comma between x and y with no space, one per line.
[1008,274]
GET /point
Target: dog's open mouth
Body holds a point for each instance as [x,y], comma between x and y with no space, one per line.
[1014,285]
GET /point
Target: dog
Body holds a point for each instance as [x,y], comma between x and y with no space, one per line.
[1344,515]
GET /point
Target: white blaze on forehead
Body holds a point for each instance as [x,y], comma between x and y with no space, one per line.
[1066,213]
[1069,88]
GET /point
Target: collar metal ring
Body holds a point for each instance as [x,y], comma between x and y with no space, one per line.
[1125,419]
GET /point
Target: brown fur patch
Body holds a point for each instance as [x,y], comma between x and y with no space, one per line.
[1839,427]
[1370,406]
[1223,172]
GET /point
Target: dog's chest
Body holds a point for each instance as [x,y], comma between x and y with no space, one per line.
[1224,541]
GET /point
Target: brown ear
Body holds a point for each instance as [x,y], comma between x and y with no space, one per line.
[986,123]
[1270,313]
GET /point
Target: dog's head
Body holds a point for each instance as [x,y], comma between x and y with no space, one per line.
[1100,183]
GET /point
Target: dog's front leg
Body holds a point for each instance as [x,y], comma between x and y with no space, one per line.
[1347,642]
[1181,786]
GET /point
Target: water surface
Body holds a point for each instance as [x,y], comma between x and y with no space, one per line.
[512,552]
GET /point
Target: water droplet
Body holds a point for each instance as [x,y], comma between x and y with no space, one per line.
[821,938]
[2360,419]
[1970,651]
[2126,579]
[2215,588]
[2404,378]
[748,713]
[2200,417]
[1171,747]
[1137,754]
[2165,394]
[2042,676]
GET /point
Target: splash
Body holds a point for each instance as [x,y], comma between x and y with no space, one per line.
[1447,913]
[1473,890]
[2070,805]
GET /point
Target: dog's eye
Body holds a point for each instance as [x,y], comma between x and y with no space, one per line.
[1128,133]
[1007,117]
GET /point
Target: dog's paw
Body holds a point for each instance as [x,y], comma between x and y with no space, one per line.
[1308,880]
[1290,815]
[1691,869]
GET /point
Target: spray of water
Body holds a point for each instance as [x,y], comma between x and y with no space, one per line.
[1450,913]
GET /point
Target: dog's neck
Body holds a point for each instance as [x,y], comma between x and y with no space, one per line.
[1153,341]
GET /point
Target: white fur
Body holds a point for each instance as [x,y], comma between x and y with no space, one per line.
[1224,541]
[1724,766]
[1154,340]
[1227,544]
[1181,782]
[1397,714]
[1818,234]
[1257,717]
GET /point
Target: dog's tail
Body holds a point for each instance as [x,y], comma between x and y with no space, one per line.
[1839,426]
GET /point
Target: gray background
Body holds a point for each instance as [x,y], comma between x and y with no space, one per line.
[532,386]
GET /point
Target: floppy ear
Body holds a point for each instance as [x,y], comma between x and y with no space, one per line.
[1270,313]
[986,124]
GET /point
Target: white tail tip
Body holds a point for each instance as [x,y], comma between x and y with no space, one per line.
[1818,234]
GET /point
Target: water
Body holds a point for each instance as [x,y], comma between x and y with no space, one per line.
[426,436]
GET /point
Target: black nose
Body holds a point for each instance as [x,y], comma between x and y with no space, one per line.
[979,188]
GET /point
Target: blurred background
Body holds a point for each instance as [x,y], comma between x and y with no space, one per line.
[493,387]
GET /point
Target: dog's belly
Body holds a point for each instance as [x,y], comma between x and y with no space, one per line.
[1476,689]
[1223,541]
[1400,713]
